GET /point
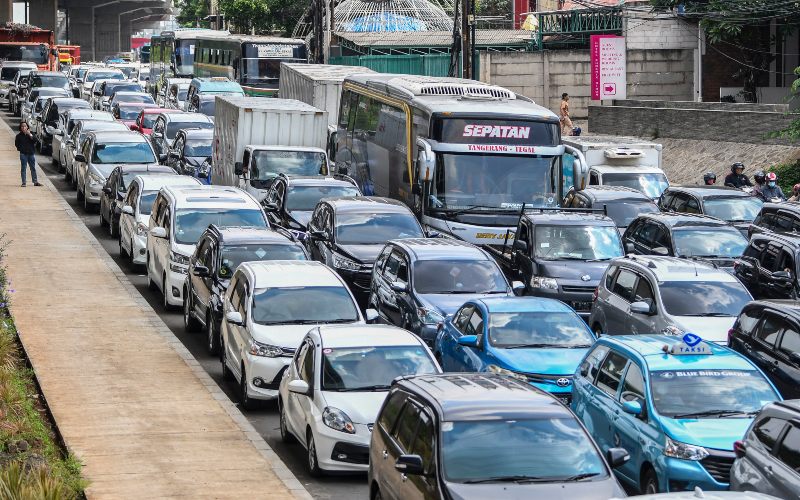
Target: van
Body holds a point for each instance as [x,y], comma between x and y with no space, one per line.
[213,85]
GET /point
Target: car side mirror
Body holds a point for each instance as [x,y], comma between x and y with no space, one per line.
[371,315]
[79,157]
[200,271]
[617,457]
[127,209]
[518,287]
[661,251]
[410,464]
[234,318]
[640,307]
[629,248]
[298,386]
[632,407]
[739,449]
[432,234]
[521,246]
[794,357]
[468,340]
[398,287]
[238,168]
[158,232]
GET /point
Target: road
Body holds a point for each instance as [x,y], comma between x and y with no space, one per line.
[265,419]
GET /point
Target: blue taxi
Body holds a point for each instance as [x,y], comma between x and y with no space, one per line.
[676,404]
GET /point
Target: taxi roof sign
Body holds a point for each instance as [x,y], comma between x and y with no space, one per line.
[689,344]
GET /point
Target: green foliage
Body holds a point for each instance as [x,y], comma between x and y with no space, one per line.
[247,15]
[18,484]
[284,15]
[793,130]
[788,175]
[192,13]
[498,8]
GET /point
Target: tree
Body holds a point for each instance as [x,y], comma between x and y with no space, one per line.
[793,130]
[192,13]
[247,16]
[285,14]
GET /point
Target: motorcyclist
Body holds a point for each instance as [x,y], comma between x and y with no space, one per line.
[795,193]
[771,191]
[709,178]
[737,178]
[760,179]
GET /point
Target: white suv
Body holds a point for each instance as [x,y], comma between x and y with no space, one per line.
[268,308]
[178,219]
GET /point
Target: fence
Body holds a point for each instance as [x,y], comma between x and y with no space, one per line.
[417,64]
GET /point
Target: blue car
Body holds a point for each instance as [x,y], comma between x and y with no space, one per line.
[676,404]
[540,341]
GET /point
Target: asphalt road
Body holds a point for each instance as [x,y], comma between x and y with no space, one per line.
[265,419]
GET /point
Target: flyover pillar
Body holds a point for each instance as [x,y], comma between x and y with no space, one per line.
[43,13]
[6,10]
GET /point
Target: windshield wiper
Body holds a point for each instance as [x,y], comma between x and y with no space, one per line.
[456,213]
[366,388]
[509,479]
[709,315]
[340,320]
[579,477]
[292,322]
[523,346]
[713,413]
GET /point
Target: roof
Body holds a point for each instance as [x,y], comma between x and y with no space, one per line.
[683,220]
[145,168]
[650,348]
[523,304]
[70,100]
[157,111]
[157,181]
[132,92]
[212,85]
[607,193]
[608,141]
[791,206]
[366,204]
[340,336]
[47,73]
[568,217]
[210,196]
[91,125]
[426,39]
[89,114]
[441,248]
[711,191]
[317,180]
[480,396]
[233,235]
[325,73]
[668,269]
[118,136]
[292,273]
[186,117]
[260,103]
[199,133]
[787,306]
[628,169]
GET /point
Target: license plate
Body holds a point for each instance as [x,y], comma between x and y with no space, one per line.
[582,306]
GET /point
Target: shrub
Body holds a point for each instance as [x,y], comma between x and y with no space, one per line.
[788,175]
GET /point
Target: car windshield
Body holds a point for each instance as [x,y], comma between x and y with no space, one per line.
[540,329]
[703,298]
[110,88]
[622,212]
[197,147]
[458,276]
[372,368]
[190,223]
[577,242]
[372,229]
[233,255]
[207,106]
[268,164]
[103,75]
[146,202]
[464,181]
[49,81]
[650,184]
[500,445]
[276,306]
[717,242]
[123,152]
[738,209]
[143,98]
[305,198]
[709,393]
[174,126]
[8,74]
[129,112]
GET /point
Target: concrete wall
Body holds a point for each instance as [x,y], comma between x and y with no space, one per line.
[659,32]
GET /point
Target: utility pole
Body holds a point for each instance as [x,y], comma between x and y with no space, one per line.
[466,37]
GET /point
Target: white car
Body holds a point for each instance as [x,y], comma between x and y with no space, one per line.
[69,120]
[98,73]
[74,142]
[8,70]
[335,385]
[139,199]
[178,219]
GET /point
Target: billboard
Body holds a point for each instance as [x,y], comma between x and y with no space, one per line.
[609,80]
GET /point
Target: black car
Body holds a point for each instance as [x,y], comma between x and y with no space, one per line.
[724,203]
[622,204]
[685,235]
[219,251]
[768,267]
[777,217]
[49,118]
[190,153]
[115,189]
[466,435]
[290,200]
[108,88]
[347,234]
[767,332]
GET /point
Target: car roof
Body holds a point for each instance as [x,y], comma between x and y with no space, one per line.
[315,180]
[523,304]
[246,234]
[186,117]
[89,114]
[145,168]
[680,219]
[608,193]
[39,90]
[69,100]
[131,92]
[568,217]
[366,204]
[48,73]
[291,273]
[667,269]
[791,206]
[340,336]
[198,133]
[711,191]
[483,396]
[158,111]
[90,125]
[157,181]
[118,136]
[786,307]
[210,196]
[440,248]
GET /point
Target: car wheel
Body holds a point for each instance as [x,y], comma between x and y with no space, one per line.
[244,400]
[102,217]
[223,357]
[151,284]
[167,305]
[312,462]
[649,482]
[212,335]
[286,436]
[190,323]
[80,192]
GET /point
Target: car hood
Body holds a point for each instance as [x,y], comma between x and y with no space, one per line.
[184,249]
[573,270]
[281,335]
[544,360]
[361,407]
[449,303]
[585,490]
[716,433]
[714,329]
[365,254]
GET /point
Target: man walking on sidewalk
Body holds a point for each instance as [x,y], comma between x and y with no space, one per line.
[25,146]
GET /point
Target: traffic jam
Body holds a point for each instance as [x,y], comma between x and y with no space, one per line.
[442,294]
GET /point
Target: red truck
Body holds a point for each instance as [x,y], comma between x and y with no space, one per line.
[23,42]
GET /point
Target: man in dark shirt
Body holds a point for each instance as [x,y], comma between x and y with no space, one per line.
[26,147]
[737,178]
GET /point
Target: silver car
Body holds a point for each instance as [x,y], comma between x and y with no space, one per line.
[645,294]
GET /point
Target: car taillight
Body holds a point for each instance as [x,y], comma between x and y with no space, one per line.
[595,293]
[739,449]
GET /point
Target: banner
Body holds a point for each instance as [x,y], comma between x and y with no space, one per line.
[609,79]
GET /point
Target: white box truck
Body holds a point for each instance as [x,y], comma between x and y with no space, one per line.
[618,161]
[255,139]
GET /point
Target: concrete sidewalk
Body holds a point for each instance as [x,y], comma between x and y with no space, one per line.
[129,400]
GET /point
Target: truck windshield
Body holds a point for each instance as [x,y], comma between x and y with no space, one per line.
[718,242]
[458,276]
[650,184]
[184,57]
[267,164]
[33,53]
[734,209]
[474,181]
[577,242]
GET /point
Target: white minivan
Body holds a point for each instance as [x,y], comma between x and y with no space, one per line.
[178,219]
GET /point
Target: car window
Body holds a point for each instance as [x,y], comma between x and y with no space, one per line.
[768,431]
[424,441]
[611,373]
[789,451]
[644,233]
[307,366]
[475,324]
[633,386]
[461,317]
[402,271]
[692,206]
[769,259]
[593,359]
[407,426]
[747,320]
[391,410]
[623,286]
[610,275]
[790,342]
[770,330]
[392,265]
[381,260]
[644,292]
[660,238]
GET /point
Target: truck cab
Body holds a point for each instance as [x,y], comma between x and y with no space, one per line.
[261,165]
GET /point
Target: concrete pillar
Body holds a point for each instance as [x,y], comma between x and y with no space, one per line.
[43,13]
[6,10]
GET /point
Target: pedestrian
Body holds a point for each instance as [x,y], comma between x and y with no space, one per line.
[566,122]
[25,146]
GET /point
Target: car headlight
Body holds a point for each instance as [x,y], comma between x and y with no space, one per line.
[542,282]
[429,316]
[672,330]
[508,373]
[264,350]
[676,449]
[95,179]
[178,258]
[345,263]
[337,420]
[141,229]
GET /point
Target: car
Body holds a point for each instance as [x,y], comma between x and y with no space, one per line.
[348,234]
[38,78]
[76,139]
[781,217]
[135,214]
[768,334]
[47,122]
[219,252]
[768,267]
[8,72]
[17,91]
[190,153]
[268,309]
[178,219]
[128,112]
[67,121]
[147,118]
[417,282]
[768,457]
[106,88]
[666,295]
[98,73]
[724,203]
[690,236]
[175,95]
[129,97]
[291,199]
[650,180]
[76,74]
[675,403]
[203,103]
[330,393]
[622,204]
[167,125]
[261,165]
[539,341]
[483,435]
[212,86]
[32,106]
[112,198]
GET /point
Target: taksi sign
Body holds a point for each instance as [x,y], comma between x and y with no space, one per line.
[609,79]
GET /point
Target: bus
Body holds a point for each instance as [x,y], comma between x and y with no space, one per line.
[172,53]
[466,156]
[252,61]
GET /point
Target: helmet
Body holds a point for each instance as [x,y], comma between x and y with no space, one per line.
[759,177]
[709,176]
[736,165]
[796,188]
[772,176]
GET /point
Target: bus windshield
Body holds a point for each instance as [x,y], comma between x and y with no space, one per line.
[33,53]
[261,69]
[184,57]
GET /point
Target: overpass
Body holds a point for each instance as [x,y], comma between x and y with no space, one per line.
[100,27]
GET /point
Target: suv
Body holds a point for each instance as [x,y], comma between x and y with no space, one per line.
[191,153]
[167,125]
[767,458]
[768,267]
[622,204]
[48,119]
[652,295]
[219,252]
[768,334]
[723,203]
[685,235]
[777,217]
[67,122]
[430,442]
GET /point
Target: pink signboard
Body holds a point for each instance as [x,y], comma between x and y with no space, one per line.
[608,67]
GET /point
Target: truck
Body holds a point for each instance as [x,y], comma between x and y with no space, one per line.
[69,55]
[255,139]
[618,161]
[23,42]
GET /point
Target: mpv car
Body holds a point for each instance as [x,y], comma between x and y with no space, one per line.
[724,203]
[48,120]
[66,124]
[116,189]
[777,217]
[676,404]
[482,435]
[769,266]
[76,140]
[666,295]
[167,125]
[191,153]
[622,204]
